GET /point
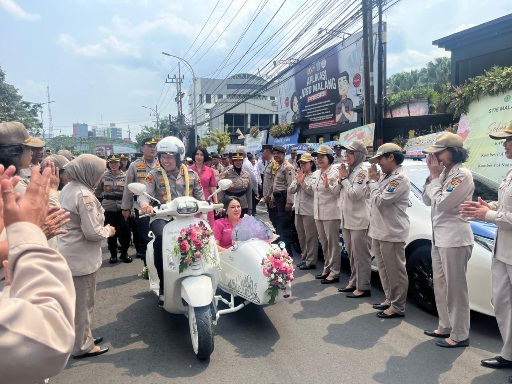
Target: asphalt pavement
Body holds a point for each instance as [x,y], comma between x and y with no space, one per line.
[318,336]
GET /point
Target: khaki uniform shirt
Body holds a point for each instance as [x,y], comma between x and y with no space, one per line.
[111,190]
[501,215]
[338,160]
[81,246]
[37,329]
[354,205]
[303,195]
[445,195]
[155,186]
[283,179]
[389,199]
[326,199]
[136,173]
[268,179]
[240,188]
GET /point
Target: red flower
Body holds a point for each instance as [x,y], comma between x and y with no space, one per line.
[184,247]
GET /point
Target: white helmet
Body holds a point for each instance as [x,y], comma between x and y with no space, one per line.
[171,145]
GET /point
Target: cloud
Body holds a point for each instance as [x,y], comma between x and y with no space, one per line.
[463,27]
[410,59]
[14,9]
[109,46]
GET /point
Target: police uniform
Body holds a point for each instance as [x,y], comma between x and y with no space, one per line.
[389,229]
[241,186]
[268,181]
[137,173]
[110,192]
[283,178]
[155,187]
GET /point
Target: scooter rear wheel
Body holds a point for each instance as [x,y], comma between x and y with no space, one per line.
[201,331]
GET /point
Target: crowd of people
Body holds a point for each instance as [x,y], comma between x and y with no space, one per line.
[54,220]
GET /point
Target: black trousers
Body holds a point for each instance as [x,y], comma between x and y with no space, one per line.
[284,223]
[143,230]
[116,220]
[157,227]
[135,233]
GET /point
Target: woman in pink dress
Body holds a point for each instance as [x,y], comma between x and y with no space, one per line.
[223,228]
[207,177]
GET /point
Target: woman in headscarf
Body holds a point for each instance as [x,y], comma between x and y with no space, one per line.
[81,245]
[241,186]
[355,219]
[60,163]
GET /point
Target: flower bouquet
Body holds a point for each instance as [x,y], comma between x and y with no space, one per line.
[278,269]
[193,245]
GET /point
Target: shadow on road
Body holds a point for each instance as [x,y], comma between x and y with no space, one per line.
[116,282]
[494,376]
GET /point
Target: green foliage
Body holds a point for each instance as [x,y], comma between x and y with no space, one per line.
[69,143]
[400,141]
[221,138]
[281,130]
[394,100]
[434,75]
[14,108]
[254,132]
[494,82]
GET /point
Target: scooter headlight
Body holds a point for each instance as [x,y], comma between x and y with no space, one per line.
[188,207]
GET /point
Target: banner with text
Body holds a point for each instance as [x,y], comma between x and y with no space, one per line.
[416,145]
[253,144]
[292,139]
[363,133]
[486,156]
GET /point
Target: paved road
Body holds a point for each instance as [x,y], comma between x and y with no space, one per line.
[319,336]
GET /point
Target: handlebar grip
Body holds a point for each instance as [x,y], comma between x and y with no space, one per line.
[218,206]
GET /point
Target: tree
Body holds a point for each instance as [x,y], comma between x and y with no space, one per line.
[14,108]
[435,75]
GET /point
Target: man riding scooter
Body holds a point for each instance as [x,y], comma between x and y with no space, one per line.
[172,180]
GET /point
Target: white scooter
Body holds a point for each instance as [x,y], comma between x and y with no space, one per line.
[189,288]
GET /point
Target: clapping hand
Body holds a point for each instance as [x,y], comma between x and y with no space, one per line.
[54,175]
[435,167]
[342,170]
[56,218]
[325,180]
[474,209]
[300,176]
[373,173]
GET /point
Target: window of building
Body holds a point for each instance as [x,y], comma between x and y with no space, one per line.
[208,98]
[260,120]
[272,97]
[219,97]
[235,121]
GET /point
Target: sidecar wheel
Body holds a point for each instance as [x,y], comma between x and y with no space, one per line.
[201,331]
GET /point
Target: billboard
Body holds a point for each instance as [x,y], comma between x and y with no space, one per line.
[416,145]
[363,133]
[487,158]
[324,89]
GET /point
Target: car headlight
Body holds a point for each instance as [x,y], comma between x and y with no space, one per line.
[188,207]
[485,242]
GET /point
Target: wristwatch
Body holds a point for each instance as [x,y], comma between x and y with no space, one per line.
[341,179]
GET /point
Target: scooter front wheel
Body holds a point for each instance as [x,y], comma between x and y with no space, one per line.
[201,331]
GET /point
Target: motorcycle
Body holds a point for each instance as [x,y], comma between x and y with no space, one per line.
[189,282]
[253,269]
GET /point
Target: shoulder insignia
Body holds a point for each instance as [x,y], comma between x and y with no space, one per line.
[360,177]
[453,184]
[89,206]
[149,179]
[141,166]
[392,186]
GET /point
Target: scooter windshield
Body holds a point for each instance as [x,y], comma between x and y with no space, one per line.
[251,228]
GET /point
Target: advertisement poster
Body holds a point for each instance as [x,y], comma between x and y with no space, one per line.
[487,158]
[417,108]
[104,150]
[323,89]
[253,144]
[363,133]
[416,145]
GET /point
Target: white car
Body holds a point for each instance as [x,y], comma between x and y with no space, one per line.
[417,251]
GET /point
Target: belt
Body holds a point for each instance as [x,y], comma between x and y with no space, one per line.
[112,197]
[235,194]
[280,193]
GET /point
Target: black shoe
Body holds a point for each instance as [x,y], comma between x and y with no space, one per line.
[98,340]
[434,334]
[367,293]
[380,307]
[113,259]
[126,258]
[305,267]
[321,276]
[332,281]
[443,343]
[141,255]
[497,362]
[384,315]
[91,354]
[347,289]
[301,264]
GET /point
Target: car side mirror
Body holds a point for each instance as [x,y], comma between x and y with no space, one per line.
[137,188]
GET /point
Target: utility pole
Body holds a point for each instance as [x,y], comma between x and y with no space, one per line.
[369,14]
[366,62]
[179,94]
[50,121]
[129,133]
[378,133]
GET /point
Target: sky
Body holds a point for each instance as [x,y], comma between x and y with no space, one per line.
[102,59]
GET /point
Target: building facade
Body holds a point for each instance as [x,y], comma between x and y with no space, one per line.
[80,130]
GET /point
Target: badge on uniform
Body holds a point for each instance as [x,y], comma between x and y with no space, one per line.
[89,206]
[361,177]
[392,186]
[149,178]
[108,188]
[453,184]
[141,166]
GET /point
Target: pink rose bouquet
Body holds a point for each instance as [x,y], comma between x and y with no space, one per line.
[278,269]
[193,244]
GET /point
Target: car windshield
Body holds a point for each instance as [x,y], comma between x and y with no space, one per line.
[417,174]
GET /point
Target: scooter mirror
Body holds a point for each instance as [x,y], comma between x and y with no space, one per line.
[137,188]
[281,245]
[225,184]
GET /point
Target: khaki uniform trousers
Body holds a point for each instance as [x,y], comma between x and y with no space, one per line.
[390,258]
[329,233]
[85,287]
[449,266]
[308,238]
[357,244]
[502,301]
